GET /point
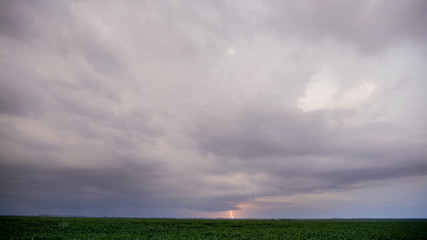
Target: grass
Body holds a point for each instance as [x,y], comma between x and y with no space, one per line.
[134,228]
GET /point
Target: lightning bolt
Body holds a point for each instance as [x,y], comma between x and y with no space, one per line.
[231,214]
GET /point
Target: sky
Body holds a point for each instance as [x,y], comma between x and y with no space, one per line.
[193,109]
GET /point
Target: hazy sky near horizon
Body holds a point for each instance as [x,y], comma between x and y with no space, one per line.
[271,109]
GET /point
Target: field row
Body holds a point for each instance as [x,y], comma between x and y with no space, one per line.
[134,228]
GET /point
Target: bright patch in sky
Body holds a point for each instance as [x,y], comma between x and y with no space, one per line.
[229,52]
[325,92]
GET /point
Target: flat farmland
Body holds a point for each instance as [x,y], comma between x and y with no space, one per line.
[142,228]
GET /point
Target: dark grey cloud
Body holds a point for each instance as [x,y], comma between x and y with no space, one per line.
[368,25]
[19,96]
[91,189]
[137,185]
[29,22]
[314,147]
[192,109]
[259,131]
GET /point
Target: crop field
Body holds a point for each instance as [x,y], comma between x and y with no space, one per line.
[135,228]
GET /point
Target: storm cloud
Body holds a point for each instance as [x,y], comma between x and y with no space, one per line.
[191,109]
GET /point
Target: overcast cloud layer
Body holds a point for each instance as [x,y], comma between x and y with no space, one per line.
[275,109]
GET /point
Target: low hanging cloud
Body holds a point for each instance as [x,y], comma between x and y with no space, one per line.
[184,110]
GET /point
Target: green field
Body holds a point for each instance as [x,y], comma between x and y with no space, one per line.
[134,228]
